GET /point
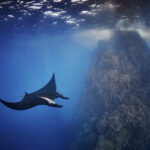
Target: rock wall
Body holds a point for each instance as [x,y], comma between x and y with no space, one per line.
[115,106]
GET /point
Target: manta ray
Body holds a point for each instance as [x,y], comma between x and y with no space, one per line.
[43,96]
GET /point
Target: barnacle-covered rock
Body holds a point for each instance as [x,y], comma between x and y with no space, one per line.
[116,101]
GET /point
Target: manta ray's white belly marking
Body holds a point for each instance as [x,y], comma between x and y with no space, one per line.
[48,100]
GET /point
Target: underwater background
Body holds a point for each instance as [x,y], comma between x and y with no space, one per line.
[99,52]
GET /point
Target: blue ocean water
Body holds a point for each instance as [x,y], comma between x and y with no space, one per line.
[39,38]
[27,62]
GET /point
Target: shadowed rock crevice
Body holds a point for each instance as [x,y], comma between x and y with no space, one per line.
[114,112]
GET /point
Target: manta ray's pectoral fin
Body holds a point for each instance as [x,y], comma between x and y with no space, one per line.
[50,86]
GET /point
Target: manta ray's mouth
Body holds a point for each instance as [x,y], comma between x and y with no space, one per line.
[50,101]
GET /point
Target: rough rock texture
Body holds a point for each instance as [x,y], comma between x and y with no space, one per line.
[114,113]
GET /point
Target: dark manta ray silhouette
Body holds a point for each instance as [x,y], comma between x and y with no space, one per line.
[44,96]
